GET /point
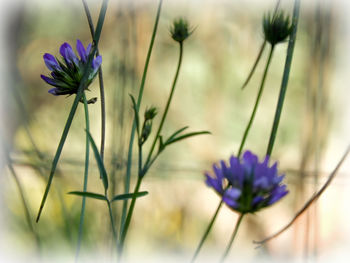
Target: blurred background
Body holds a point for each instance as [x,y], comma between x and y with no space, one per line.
[169,222]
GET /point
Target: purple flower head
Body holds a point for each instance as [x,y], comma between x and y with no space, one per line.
[67,74]
[247,185]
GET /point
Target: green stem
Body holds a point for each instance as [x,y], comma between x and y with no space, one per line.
[207,232]
[285,78]
[255,64]
[112,222]
[100,78]
[132,136]
[256,103]
[86,174]
[167,105]
[128,218]
[74,106]
[232,238]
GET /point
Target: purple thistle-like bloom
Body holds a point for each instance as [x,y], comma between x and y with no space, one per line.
[247,185]
[66,75]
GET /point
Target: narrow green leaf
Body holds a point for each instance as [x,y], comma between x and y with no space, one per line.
[136,113]
[175,133]
[182,137]
[129,196]
[99,161]
[89,194]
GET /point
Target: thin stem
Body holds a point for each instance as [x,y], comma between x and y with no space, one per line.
[167,105]
[132,135]
[256,103]
[206,233]
[255,64]
[313,199]
[100,78]
[86,174]
[232,238]
[285,78]
[260,52]
[112,222]
[128,218]
[74,106]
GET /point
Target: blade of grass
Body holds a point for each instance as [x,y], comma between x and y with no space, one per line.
[128,196]
[100,78]
[89,194]
[285,78]
[99,161]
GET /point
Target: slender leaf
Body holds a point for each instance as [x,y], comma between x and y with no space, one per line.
[182,137]
[129,196]
[136,113]
[89,194]
[176,133]
[99,161]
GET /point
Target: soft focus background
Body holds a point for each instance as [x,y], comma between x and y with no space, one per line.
[169,222]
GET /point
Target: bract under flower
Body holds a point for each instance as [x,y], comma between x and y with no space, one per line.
[247,185]
[67,74]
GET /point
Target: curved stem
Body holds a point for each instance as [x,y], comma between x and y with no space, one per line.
[232,238]
[133,129]
[255,64]
[206,233]
[167,105]
[100,78]
[86,173]
[256,103]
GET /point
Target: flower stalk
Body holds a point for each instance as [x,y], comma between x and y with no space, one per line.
[227,250]
[86,174]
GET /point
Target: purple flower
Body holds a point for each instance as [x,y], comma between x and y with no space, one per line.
[67,74]
[247,185]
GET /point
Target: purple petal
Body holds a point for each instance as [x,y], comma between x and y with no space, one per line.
[230,202]
[96,63]
[230,197]
[48,80]
[277,194]
[68,54]
[214,182]
[88,49]
[258,199]
[51,62]
[53,91]
[81,51]
[218,172]
[233,193]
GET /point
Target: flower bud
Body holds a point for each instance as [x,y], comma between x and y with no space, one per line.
[180,30]
[146,131]
[150,113]
[277,27]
